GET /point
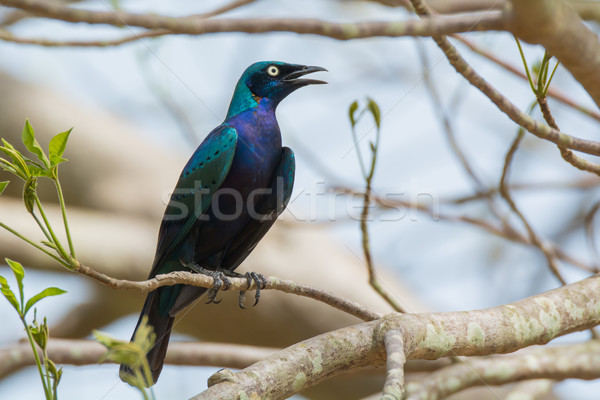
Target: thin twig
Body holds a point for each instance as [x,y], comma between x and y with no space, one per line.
[505,193]
[504,104]
[238,284]
[591,234]
[7,36]
[566,154]
[364,217]
[193,25]
[441,113]
[504,231]
[514,70]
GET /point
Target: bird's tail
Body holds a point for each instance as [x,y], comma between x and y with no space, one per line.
[162,324]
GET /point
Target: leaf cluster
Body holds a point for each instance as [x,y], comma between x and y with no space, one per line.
[30,168]
[133,355]
[37,333]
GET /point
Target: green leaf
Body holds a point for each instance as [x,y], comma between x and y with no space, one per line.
[51,291]
[3,186]
[352,111]
[29,140]
[57,148]
[106,340]
[8,293]
[40,333]
[374,109]
[54,372]
[19,272]
[7,166]
[57,375]
[35,168]
[30,193]
[18,162]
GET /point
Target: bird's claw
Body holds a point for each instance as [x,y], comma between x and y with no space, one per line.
[261,283]
[214,290]
[221,280]
[219,277]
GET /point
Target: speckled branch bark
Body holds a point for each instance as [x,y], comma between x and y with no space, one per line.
[581,361]
[503,329]
[396,359]
[534,389]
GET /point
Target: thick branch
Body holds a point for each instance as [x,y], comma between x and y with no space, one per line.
[581,361]
[239,284]
[503,329]
[534,389]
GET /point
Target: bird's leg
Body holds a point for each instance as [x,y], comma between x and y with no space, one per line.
[219,276]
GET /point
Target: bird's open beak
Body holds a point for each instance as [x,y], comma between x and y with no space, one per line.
[292,77]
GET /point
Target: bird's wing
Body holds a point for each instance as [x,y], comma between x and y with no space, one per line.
[270,207]
[203,174]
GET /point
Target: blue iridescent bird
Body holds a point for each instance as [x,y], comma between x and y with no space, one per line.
[227,197]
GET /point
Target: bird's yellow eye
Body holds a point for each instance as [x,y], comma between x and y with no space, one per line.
[273,70]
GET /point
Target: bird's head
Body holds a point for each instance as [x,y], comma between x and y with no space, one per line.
[273,80]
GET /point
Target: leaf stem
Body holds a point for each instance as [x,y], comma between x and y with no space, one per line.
[41,225]
[55,240]
[37,357]
[37,246]
[63,209]
[525,64]
[360,160]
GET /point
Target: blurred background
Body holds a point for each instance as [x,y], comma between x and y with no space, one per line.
[138,111]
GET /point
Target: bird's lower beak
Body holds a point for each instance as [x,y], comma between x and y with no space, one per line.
[292,77]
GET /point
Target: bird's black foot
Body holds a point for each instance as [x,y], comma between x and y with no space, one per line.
[220,277]
[261,283]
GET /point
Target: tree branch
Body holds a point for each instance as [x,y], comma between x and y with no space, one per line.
[511,110]
[8,37]
[505,231]
[194,26]
[239,284]
[581,361]
[518,72]
[534,389]
[533,237]
[396,359]
[502,329]
[87,352]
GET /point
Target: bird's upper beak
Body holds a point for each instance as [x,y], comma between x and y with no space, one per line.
[302,70]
